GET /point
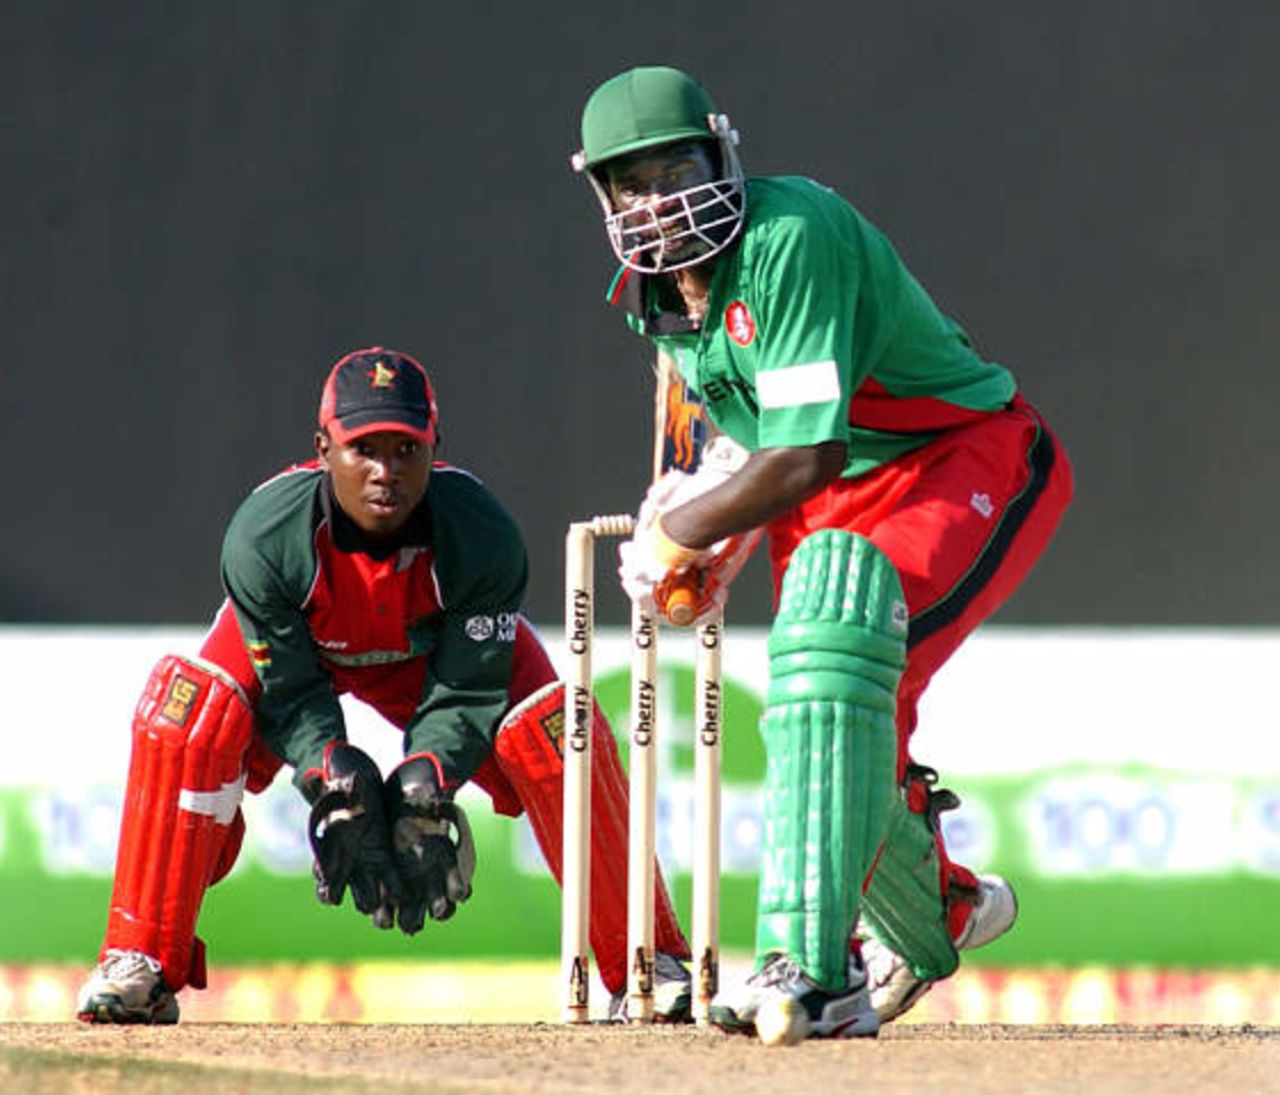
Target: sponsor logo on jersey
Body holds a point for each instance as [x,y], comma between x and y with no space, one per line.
[479,628]
[739,323]
[980,501]
[506,624]
[183,692]
[718,389]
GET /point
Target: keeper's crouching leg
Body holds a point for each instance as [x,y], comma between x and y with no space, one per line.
[527,749]
[181,825]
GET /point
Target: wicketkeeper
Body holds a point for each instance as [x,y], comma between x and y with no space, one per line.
[906,489]
[376,571]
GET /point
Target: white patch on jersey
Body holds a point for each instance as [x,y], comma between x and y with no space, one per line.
[981,503]
[798,385]
[479,628]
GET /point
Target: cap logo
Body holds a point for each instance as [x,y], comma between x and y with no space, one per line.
[739,323]
[383,376]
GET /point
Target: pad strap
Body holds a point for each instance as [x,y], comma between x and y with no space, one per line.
[906,904]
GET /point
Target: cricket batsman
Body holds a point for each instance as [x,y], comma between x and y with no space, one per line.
[377,571]
[906,489]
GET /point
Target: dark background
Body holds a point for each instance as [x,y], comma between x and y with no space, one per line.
[205,204]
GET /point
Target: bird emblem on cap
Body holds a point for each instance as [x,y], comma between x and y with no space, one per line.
[383,375]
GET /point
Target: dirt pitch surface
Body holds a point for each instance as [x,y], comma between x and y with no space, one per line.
[451,1060]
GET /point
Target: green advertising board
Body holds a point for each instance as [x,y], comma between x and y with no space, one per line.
[1132,863]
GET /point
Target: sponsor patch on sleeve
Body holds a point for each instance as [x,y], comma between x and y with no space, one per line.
[479,628]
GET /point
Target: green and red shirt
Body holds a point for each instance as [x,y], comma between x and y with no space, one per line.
[422,631]
[816,331]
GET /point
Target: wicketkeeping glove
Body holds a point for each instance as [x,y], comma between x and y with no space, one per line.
[349,836]
[435,868]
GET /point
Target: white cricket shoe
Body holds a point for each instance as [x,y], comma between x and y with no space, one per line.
[781,982]
[127,988]
[672,993]
[894,986]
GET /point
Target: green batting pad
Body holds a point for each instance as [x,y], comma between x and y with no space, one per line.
[904,907]
[828,785]
[836,653]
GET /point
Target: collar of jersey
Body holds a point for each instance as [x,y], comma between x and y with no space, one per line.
[350,538]
[629,291]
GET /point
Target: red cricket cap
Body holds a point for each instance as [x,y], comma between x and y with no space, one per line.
[378,389]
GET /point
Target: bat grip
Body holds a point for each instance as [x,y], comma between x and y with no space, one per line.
[680,605]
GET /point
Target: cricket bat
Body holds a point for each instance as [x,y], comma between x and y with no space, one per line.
[680,422]
[681,430]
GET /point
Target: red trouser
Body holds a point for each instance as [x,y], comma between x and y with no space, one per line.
[963,520]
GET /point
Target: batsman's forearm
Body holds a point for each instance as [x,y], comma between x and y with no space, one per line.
[771,482]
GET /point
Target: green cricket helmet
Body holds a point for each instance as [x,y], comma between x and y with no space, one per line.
[653,114]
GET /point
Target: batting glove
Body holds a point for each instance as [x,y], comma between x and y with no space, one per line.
[656,571]
[692,597]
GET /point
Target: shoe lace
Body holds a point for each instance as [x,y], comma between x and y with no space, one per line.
[877,962]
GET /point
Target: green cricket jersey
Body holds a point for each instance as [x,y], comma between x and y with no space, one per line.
[423,631]
[816,331]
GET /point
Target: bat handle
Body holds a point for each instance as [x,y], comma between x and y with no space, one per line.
[681,603]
